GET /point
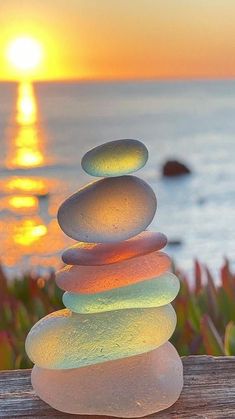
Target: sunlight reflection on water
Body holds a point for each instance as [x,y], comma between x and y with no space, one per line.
[190,121]
[26,142]
[28,234]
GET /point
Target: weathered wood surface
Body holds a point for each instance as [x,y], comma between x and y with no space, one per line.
[209,392]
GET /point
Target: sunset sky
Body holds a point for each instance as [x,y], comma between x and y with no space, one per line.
[120,39]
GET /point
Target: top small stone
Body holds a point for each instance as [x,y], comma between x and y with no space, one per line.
[115,158]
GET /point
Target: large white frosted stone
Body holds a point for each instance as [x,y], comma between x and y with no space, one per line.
[109,210]
[129,387]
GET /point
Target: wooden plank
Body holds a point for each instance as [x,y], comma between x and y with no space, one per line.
[209,392]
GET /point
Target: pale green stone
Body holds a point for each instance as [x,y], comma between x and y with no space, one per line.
[115,158]
[152,293]
[64,339]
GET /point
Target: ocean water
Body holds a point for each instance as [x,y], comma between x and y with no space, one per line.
[46,128]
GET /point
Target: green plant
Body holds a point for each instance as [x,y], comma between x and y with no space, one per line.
[206,313]
[23,302]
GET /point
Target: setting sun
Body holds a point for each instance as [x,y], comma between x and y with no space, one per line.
[25,53]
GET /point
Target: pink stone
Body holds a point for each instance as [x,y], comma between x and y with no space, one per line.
[103,253]
[127,388]
[92,279]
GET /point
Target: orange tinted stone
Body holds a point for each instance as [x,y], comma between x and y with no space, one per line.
[103,254]
[90,279]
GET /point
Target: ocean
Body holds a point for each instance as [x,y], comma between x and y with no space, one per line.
[46,128]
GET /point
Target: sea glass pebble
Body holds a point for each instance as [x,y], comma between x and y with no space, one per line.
[90,279]
[103,254]
[152,293]
[128,388]
[69,340]
[108,210]
[115,158]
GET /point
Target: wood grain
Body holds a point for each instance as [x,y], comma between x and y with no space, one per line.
[209,392]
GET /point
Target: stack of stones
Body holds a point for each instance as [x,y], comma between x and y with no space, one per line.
[108,353]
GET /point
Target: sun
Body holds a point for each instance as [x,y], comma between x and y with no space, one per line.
[25,53]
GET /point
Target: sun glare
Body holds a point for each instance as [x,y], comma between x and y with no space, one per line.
[25,53]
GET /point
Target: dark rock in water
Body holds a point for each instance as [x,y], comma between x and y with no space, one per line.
[175,242]
[175,168]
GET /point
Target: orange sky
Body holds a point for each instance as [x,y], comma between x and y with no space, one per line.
[118,39]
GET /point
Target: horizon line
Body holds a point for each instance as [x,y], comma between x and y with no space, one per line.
[121,80]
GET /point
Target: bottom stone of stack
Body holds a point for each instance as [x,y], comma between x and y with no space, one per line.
[131,387]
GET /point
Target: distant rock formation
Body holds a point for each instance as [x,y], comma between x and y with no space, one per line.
[175,242]
[175,168]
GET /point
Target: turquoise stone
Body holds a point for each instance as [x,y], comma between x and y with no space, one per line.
[115,158]
[108,210]
[64,339]
[152,293]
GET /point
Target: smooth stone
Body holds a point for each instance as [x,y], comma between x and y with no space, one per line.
[152,293]
[174,168]
[64,339]
[109,210]
[92,279]
[127,388]
[115,158]
[103,254]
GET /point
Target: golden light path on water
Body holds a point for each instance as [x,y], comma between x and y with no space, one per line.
[28,226]
[26,147]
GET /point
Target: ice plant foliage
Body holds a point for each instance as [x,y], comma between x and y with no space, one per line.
[205,313]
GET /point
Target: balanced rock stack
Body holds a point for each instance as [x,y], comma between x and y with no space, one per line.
[108,353]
